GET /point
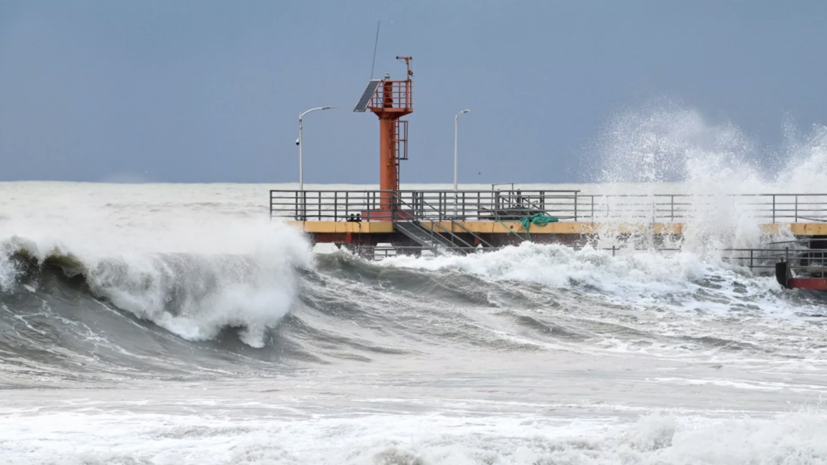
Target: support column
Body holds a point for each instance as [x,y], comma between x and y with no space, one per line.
[387,160]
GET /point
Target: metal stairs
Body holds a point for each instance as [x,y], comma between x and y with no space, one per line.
[429,232]
[427,238]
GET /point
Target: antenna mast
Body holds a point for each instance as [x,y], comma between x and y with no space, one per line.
[375,45]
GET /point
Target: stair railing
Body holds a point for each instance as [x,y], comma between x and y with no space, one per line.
[420,217]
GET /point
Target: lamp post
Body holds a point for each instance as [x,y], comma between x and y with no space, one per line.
[456,133]
[299,143]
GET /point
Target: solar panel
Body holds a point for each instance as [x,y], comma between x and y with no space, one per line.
[363,102]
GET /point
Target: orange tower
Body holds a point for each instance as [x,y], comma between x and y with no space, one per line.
[390,100]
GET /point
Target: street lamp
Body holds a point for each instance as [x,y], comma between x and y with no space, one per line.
[456,132]
[299,143]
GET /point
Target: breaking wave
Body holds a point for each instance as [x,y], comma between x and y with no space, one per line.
[72,303]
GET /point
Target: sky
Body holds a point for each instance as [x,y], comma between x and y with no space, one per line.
[210,91]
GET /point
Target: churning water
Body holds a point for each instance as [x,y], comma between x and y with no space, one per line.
[170,324]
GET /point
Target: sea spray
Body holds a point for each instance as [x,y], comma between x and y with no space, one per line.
[803,160]
[712,173]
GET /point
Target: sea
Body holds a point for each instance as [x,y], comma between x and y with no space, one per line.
[179,324]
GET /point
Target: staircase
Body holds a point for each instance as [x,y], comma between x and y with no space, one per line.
[429,233]
[427,238]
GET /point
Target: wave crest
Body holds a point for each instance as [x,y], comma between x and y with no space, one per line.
[193,295]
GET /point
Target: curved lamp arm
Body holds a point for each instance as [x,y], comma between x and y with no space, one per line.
[299,143]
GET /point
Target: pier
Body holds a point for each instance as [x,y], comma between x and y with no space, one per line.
[378,224]
[496,217]
[392,221]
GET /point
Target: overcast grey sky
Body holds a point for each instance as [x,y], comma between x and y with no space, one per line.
[210,91]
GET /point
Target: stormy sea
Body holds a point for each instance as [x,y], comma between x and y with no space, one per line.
[177,324]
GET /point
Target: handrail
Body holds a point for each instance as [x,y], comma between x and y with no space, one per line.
[567,205]
[453,223]
[329,205]
[496,205]
[418,219]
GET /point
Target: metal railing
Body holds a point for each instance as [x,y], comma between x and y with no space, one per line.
[380,252]
[802,259]
[566,205]
[420,213]
[440,205]
[393,94]
[323,205]
[672,208]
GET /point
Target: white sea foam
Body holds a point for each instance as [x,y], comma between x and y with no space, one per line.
[9,270]
[678,306]
[631,276]
[658,438]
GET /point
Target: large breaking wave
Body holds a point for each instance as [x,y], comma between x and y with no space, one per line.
[114,304]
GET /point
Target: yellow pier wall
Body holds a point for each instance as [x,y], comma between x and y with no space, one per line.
[343,227]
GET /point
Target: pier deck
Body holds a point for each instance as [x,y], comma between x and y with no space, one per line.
[494,218]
